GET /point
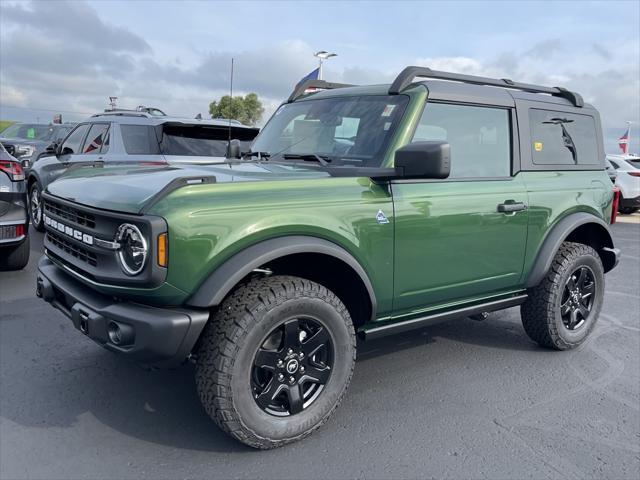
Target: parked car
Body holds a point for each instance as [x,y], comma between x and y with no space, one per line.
[14,220]
[27,142]
[362,211]
[129,136]
[627,180]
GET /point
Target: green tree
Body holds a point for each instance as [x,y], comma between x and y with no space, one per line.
[247,109]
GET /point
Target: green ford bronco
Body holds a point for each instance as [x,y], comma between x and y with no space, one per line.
[359,211]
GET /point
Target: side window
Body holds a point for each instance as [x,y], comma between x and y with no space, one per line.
[96,139]
[615,165]
[139,140]
[74,141]
[560,138]
[480,138]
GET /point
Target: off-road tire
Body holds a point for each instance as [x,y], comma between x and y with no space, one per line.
[540,314]
[15,258]
[230,340]
[36,221]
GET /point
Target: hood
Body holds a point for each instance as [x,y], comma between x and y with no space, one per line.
[126,188]
[24,141]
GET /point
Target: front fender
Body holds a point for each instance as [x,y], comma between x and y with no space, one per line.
[223,279]
[45,170]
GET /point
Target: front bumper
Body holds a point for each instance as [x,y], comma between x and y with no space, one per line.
[151,336]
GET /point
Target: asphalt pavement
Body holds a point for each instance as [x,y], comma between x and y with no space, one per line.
[460,400]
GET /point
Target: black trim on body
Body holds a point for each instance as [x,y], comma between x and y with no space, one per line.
[298,91]
[161,336]
[406,77]
[399,326]
[174,185]
[559,234]
[224,278]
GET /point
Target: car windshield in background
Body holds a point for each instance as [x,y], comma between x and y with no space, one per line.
[345,130]
[183,139]
[28,131]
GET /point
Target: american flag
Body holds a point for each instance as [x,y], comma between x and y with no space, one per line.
[623,141]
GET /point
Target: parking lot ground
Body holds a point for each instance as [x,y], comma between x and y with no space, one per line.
[464,399]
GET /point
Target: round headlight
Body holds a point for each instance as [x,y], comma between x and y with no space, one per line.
[133,248]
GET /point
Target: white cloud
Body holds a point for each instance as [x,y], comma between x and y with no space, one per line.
[65,56]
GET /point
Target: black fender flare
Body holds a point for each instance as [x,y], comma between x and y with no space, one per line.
[558,234]
[224,278]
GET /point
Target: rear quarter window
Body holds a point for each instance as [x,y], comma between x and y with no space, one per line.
[559,138]
[139,140]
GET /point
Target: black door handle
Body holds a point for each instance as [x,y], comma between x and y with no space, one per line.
[510,207]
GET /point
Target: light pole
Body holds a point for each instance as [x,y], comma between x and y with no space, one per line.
[322,56]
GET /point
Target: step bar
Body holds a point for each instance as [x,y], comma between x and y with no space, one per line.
[435,318]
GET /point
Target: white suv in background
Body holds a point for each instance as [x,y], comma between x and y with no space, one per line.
[628,181]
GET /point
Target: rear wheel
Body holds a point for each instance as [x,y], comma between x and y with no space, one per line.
[35,207]
[15,258]
[627,210]
[275,361]
[561,311]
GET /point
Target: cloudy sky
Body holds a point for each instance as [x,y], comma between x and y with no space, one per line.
[70,56]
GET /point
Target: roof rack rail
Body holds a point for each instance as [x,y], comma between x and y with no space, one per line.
[320,84]
[121,113]
[405,78]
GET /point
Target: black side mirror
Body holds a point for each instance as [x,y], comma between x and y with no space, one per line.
[424,160]
[52,149]
[233,150]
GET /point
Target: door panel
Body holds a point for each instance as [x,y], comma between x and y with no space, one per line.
[452,243]
[465,236]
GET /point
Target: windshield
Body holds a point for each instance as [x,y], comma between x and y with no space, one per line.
[28,131]
[347,130]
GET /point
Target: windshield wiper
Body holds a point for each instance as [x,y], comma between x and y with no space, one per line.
[308,157]
[251,154]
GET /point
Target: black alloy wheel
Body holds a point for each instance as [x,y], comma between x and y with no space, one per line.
[292,366]
[577,298]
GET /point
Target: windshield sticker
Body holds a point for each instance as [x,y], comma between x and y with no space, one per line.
[31,133]
[388,110]
[387,126]
[537,146]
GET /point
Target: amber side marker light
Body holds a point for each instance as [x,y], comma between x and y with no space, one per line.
[162,250]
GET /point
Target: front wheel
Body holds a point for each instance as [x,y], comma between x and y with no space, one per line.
[35,207]
[276,360]
[563,309]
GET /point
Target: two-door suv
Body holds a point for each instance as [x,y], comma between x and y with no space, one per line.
[360,210]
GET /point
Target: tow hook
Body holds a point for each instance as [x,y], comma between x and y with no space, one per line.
[84,322]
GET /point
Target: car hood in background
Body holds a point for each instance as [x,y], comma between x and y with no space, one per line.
[126,188]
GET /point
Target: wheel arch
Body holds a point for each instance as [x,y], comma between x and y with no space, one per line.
[578,227]
[310,257]
[33,178]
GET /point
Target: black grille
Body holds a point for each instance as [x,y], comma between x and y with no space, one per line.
[69,213]
[71,248]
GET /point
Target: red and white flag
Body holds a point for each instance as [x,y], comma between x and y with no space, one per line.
[623,141]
